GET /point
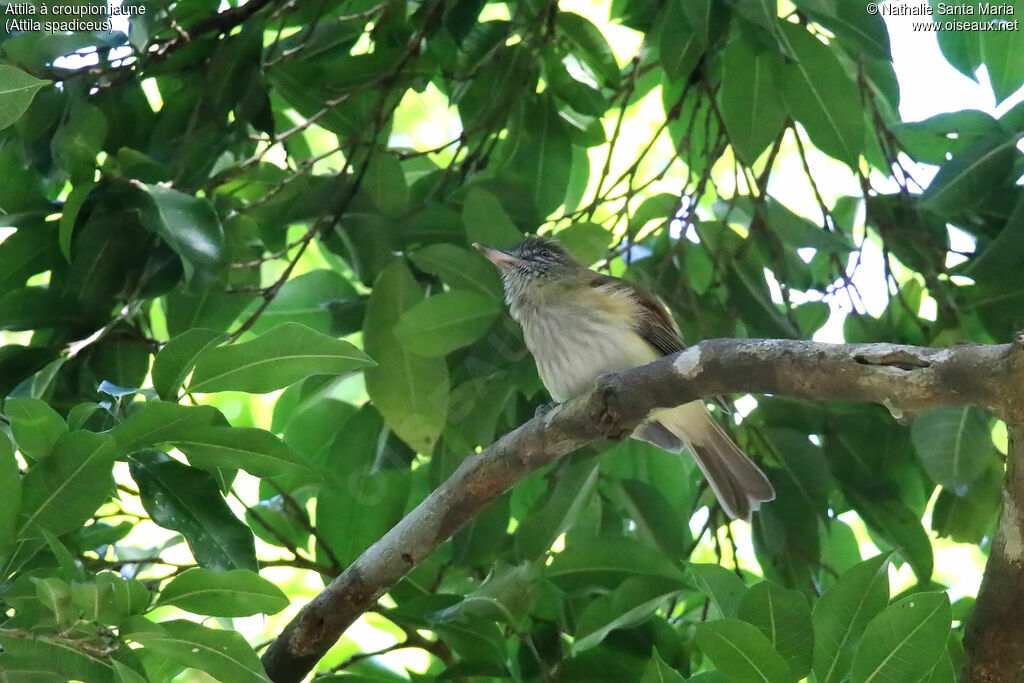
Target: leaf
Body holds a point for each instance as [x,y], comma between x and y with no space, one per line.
[47,660]
[353,518]
[718,583]
[60,493]
[36,426]
[540,154]
[187,500]
[542,525]
[741,652]
[842,613]
[587,242]
[591,46]
[749,99]
[900,526]
[446,322]
[820,95]
[658,671]
[679,45]
[971,516]
[460,269]
[1001,54]
[256,451]
[410,391]
[955,445]
[190,227]
[972,176]
[783,616]
[225,655]
[10,502]
[656,518]
[157,422]
[633,601]
[277,358]
[487,222]
[177,358]
[607,562]
[17,89]
[233,593]
[903,642]
[307,299]
[384,181]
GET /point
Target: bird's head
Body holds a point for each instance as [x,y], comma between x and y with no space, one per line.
[535,269]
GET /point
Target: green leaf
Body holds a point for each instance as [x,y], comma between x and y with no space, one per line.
[633,601]
[1001,54]
[177,358]
[281,356]
[10,484]
[658,671]
[36,426]
[820,95]
[542,525]
[903,642]
[17,89]
[446,322]
[187,500]
[718,583]
[900,526]
[607,562]
[159,422]
[234,593]
[487,222]
[842,613]
[742,652]
[587,242]
[591,46]
[971,516]
[384,181]
[955,445]
[307,299]
[190,227]
[749,99]
[679,45]
[656,518]
[47,659]
[78,140]
[459,268]
[783,616]
[223,654]
[410,391]
[540,154]
[353,518]
[973,175]
[60,493]
[256,451]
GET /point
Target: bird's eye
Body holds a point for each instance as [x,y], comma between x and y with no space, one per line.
[545,253]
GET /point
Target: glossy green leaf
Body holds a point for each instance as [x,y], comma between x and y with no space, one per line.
[159,422]
[225,655]
[843,612]
[60,493]
[591,46]
[177,358]
[36,426]
[281,356]
[446,322]
[633,601]
[188,501]
[718,583]
[233,593]
[307,299]
[749,99]
[954,444]
[190,227]
[784,617]
[904,641]
[411,391]
[821,96]
[256,451]
[17,89]
[742,652]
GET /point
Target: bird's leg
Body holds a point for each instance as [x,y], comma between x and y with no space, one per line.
[545,408]
[609,417]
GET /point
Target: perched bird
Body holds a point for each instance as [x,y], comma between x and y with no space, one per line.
[579,324]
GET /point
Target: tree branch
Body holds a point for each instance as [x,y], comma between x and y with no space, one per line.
[906,379]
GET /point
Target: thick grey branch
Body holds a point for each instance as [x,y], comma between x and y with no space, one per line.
[906,379]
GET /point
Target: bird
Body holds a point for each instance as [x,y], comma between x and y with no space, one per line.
[579,324]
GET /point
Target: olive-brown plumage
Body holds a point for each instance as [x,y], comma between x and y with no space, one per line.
[579,324]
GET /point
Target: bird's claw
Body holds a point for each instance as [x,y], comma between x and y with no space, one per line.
[545,408]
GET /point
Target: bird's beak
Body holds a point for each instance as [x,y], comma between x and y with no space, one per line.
[496,256]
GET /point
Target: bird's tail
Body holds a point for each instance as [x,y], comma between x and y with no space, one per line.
[738,483]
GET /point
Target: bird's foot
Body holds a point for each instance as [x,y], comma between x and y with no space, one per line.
[609,417]
[545,408]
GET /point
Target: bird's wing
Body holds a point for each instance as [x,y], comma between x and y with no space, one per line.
[654,323]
